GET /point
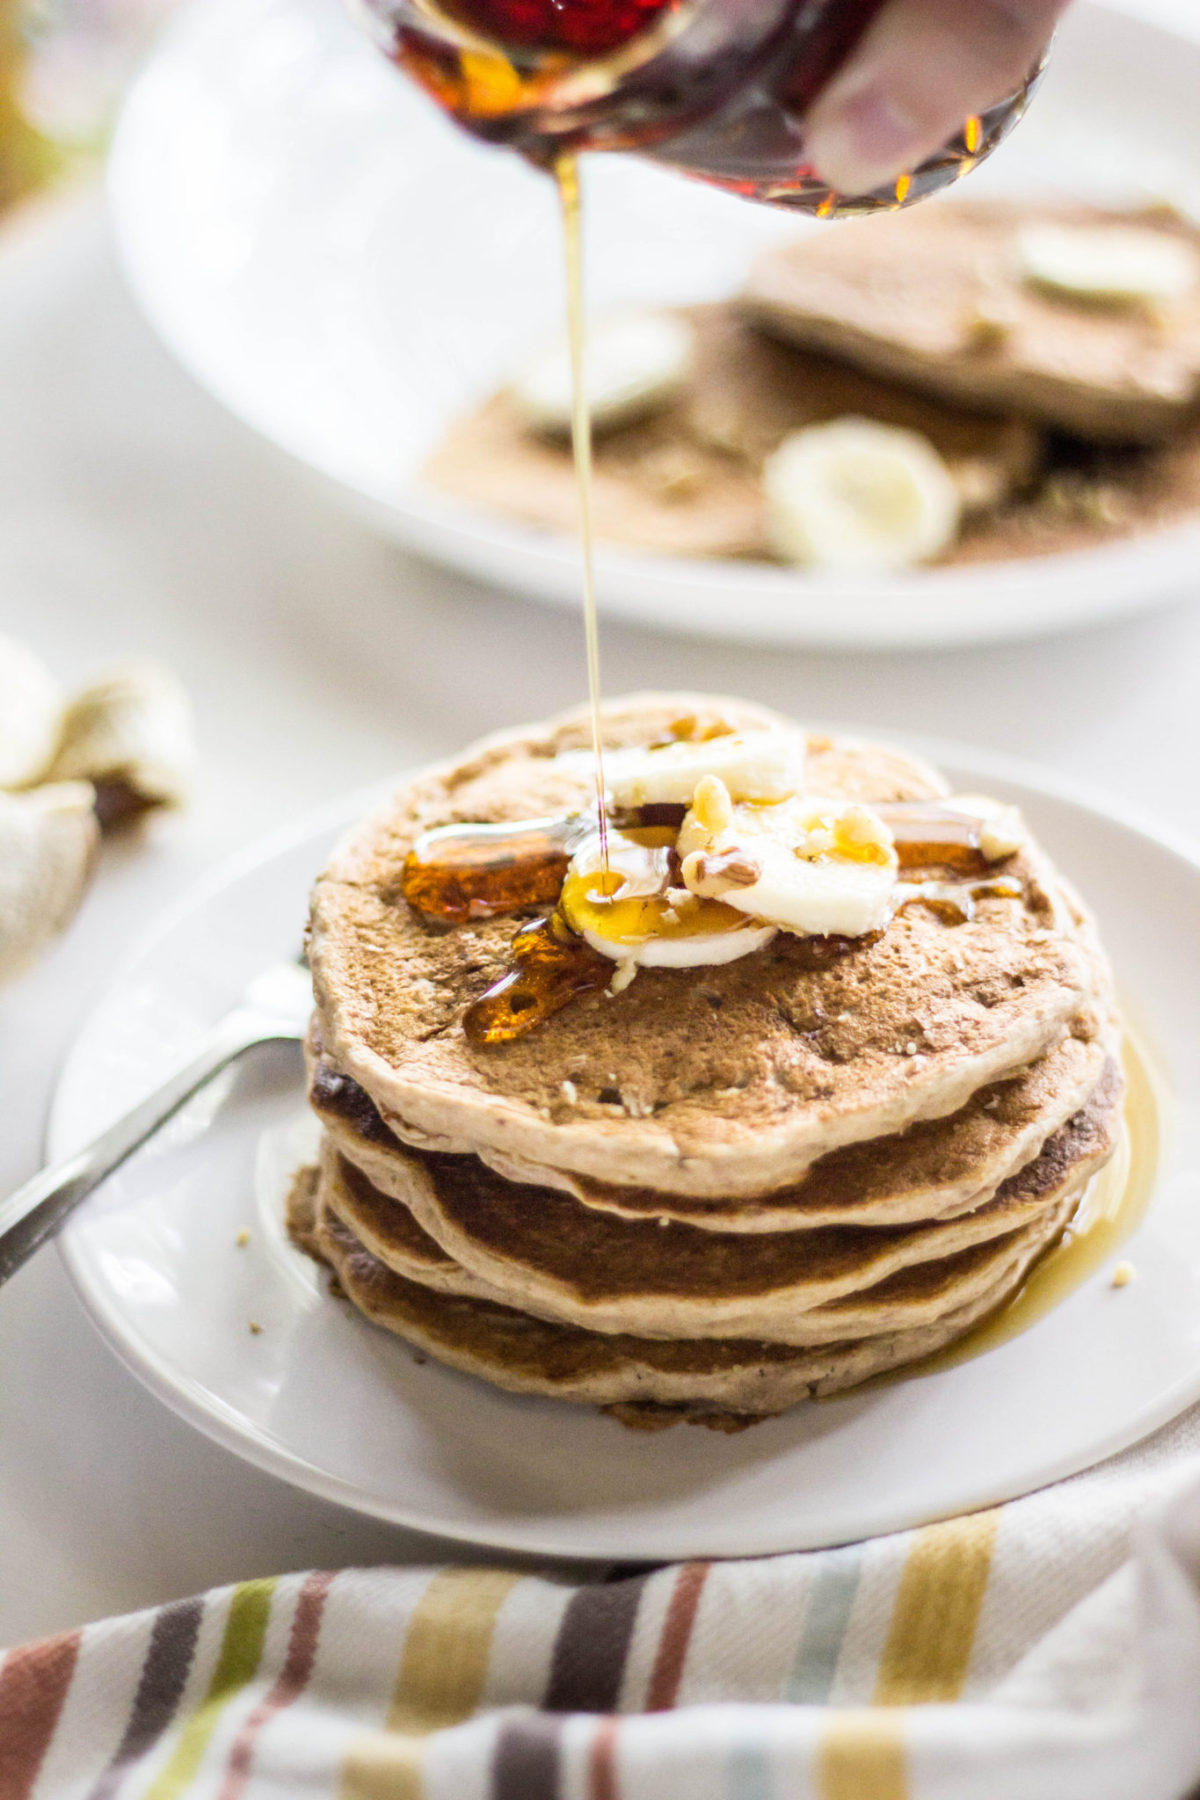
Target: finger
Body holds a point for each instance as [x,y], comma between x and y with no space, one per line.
[921,69]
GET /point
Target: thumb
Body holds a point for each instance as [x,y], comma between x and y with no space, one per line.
[920,70]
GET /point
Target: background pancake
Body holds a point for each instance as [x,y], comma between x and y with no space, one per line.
[900,300]
[688,479]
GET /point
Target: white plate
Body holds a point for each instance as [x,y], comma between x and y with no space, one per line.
[347,272]
[336,1406]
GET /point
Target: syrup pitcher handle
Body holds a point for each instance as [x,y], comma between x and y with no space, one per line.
[35,1212]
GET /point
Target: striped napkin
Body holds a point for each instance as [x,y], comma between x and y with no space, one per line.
[1047,1650]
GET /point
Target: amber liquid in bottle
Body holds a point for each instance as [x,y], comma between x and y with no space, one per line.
[721,93]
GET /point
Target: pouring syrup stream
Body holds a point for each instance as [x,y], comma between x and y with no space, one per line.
[566,173]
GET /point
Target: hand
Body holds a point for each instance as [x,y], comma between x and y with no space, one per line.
[921,69]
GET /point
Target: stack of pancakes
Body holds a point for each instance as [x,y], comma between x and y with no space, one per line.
[723,1189]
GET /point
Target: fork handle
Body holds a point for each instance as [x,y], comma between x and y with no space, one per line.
[34,1213]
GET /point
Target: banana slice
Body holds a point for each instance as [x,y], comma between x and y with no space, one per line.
[814,867]
[130,735]
[1004,830]
[635,916]
[1108,265]
[755,765]
[47,848]
[31,705]
[633,362]
[860,497]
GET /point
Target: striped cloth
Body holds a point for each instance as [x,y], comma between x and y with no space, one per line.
[1047,1650]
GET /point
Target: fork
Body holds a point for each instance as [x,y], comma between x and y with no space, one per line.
[274,1009]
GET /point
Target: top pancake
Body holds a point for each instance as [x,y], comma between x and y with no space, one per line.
[720,1081]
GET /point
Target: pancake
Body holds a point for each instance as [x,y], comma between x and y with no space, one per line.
[688,480]
[545,1253]
[525,1355]
[390,1232]
[730,1081]
[933,1171]
[904,298]
[915,1296]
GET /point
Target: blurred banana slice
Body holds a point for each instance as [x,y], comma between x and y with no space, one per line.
[48,840]
[1108,265]
[633,363]
[860,497]
[130,735]
[31,704]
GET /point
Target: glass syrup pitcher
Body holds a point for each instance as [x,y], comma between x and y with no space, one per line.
[716,88]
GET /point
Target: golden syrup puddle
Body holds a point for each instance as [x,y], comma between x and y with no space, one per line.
[1114,1205]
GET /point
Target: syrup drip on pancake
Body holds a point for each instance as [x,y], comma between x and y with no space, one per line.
[465,872]
[550,967]
[936,837]
[459,873]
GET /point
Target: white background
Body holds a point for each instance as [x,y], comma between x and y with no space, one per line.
[135,517]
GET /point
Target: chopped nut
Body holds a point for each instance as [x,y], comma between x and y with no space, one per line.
[724,430]
[981,485]
[1105,506]
[1123,1274]
[712,876]
[255,1328]
[242,1238]
[712,804]
[675,471]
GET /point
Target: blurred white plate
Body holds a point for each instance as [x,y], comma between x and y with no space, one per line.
[347,271]
[334,1405]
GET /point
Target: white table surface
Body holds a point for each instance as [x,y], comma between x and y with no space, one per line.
[136,517]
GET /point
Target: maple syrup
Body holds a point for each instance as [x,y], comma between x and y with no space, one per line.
[464,872]
[566,171]
[641,894]
[1108,1215]
[717,89]
[929,836]
[591,29]
[550,967]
